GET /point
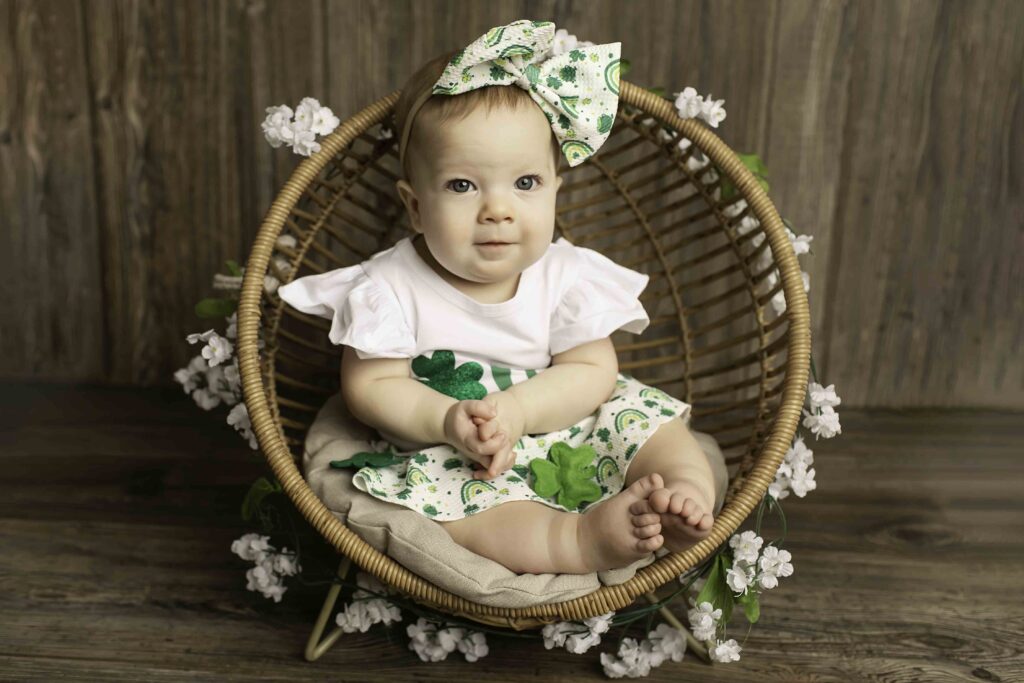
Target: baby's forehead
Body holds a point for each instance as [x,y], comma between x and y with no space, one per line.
[486,145]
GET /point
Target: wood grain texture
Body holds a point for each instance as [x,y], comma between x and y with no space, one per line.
[134,165]
[120,506]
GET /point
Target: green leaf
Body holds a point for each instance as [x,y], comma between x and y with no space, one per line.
[751,608]
[233,268]
[260,489]
[716,590]
[367,459]
[659,91]
[567,474]
[216,308]
[624,67]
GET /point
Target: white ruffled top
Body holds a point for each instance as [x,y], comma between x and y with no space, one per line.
[395,306]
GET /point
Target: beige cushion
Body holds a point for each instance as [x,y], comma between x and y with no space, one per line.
[422,545]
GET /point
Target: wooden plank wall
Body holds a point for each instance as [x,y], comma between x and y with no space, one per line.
[132,164]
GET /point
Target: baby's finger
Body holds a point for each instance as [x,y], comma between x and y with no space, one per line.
[481,409]
[487,429]
[487,447]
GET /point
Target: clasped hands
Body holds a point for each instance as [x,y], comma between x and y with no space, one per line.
[486,431]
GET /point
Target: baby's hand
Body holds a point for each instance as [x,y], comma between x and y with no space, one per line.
[461,431]
[509,419]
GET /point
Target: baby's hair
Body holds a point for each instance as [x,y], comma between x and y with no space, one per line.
[456,107]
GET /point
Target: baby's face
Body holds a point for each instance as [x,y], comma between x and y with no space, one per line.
[487,178]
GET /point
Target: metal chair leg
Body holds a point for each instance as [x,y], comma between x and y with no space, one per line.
[315,647]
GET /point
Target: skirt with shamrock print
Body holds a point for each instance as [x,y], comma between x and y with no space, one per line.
[438,481]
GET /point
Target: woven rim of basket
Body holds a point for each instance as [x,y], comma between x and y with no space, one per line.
[606,598]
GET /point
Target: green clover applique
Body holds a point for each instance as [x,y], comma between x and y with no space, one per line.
[441,375]
[568,473]
[367,459]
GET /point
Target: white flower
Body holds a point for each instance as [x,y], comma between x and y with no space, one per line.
[740,576]
[264,579]
[304,143]
[277,122]
[200,336]
[304,114]
[205,398]
[578,643]
[802,480]
[217,384]
[385,133]
[562,42]
[728,651]
[473,646]
[632,661]
[239,419]
[774,564]
[217,349]
[270,284]
[600,623]
[779,300]
[704,621]
[746,546]
[668,642]
[823,396]
[232,331]
[712,111]
[252,547]
[286,241]
[555,634]
[801,244]
[430,644]
[364,613]
[826,424]
[189,376]
[324,121]
[688,103]
[577,637]
[285,564]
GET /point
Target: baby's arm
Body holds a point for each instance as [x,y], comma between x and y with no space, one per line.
[578,381]
[379,392]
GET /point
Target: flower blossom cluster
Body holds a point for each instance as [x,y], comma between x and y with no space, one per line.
[636,659]
[433,644]
[773,563]
[299,133]
[271,566]
[691,105]
[213,377]
[574,636]
[367,609]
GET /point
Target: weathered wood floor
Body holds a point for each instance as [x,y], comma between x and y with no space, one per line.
[118,508]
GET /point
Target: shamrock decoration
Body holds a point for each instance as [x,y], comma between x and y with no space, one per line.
[368,459]
[568,473]
[461,382]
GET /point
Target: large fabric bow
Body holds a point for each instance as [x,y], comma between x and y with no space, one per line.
[578,90]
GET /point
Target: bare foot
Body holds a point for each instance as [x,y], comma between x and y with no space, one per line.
[611,536]
[684,512]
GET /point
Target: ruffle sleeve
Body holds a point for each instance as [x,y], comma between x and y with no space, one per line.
[363,314]
[603,297]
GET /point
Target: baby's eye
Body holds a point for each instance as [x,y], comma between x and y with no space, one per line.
[534,180]
[458,183]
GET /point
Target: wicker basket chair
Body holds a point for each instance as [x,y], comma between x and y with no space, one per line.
[710,342]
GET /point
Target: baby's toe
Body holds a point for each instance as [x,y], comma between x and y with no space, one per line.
[660,500]
[705,522]
[649,545]
[645,519]
[648,531]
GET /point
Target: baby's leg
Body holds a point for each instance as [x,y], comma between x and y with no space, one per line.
[529,537]
[687,501]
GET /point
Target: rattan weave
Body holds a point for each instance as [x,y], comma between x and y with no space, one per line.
[713,340]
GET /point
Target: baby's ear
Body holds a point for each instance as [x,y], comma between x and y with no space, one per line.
[412,204]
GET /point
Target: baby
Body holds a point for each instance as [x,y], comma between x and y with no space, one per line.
[477,342]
